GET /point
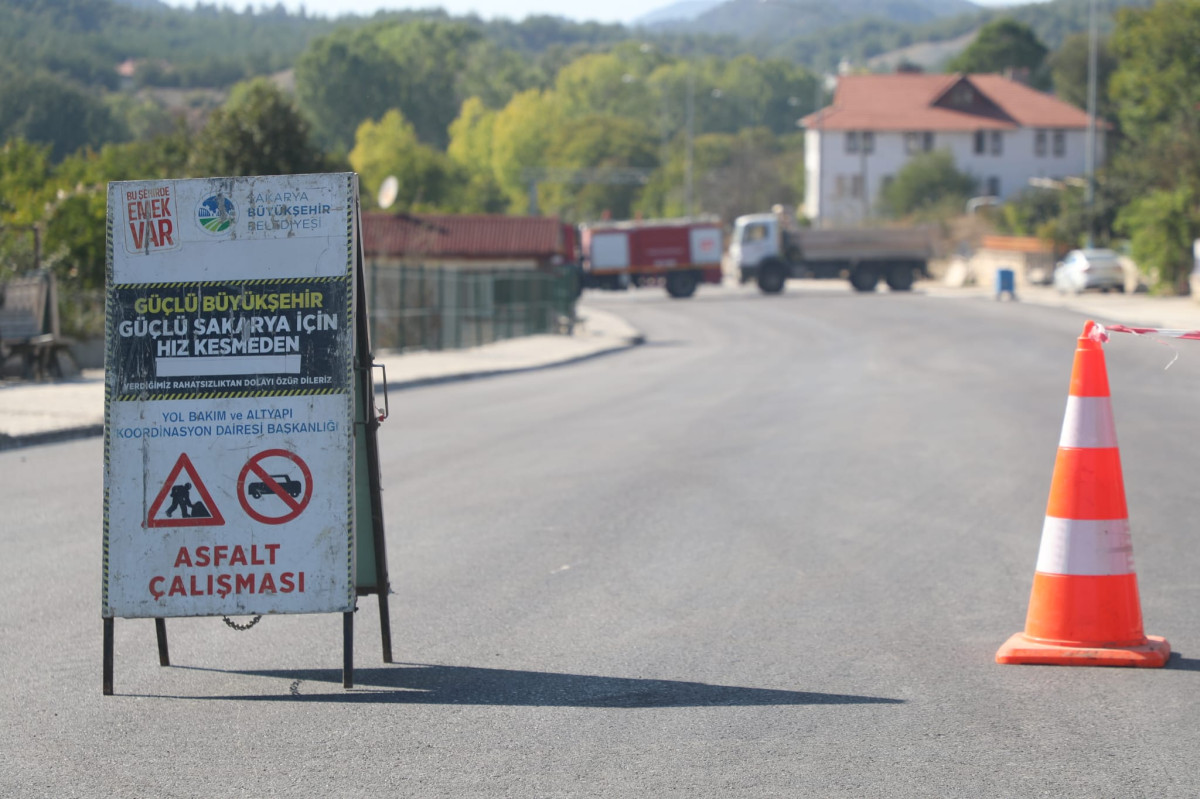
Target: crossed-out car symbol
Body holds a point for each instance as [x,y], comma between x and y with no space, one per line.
[293,487]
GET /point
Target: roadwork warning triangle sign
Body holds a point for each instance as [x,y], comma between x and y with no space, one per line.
[201,513]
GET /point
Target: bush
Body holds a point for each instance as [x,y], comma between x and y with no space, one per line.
[928,182]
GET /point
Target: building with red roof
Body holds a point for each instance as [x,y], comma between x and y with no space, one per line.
[467,241]
[999,130]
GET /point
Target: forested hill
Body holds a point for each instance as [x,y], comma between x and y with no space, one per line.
[781,20]
[215,46]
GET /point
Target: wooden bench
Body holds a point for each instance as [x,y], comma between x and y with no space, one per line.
[29,326]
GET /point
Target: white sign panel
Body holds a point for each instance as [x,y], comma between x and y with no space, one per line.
[229,418]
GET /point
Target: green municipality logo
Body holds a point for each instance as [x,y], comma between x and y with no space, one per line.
[217,213]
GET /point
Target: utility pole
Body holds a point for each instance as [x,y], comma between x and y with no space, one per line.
[1090,153]
[691,123]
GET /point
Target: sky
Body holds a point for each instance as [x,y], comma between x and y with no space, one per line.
[623,11]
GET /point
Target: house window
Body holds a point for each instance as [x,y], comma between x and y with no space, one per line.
[962,96]
[980,142]
[1060,143]
[997,143]
[852,141]
[993,186]
[839,187]
[1039,143]
[868,142]
[856,186]
[918,142]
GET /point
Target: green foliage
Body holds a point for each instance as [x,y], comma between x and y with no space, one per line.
[42,107]
[471,148]
[929,181]
[597,142]
[1157,99]
[1158,59]
[733,174]
[1069,73]
[1162,226]
[1023,214]
[258,132]
[521,135]
[1001,44]
[342,79]
[416,67]
[429,180]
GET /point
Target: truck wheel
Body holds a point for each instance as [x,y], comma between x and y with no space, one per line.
[900,277]
[681,285]
[771,277]
[864,277]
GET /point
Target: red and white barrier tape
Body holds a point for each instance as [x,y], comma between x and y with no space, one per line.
[1100,332]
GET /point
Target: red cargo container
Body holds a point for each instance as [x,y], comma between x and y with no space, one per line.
[681,253]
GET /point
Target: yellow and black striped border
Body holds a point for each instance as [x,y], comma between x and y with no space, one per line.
[189,395]
[266,281]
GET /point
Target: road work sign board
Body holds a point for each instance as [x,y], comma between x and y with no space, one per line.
[229,396]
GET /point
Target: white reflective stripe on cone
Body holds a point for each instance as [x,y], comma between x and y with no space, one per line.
[1088,423]
[1085,547]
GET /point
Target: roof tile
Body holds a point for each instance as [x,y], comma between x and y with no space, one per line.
[906,101]
[464,236]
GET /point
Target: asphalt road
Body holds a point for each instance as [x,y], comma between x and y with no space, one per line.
[770,553]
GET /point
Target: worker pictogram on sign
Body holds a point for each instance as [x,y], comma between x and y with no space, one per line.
[275,486]
[183,511]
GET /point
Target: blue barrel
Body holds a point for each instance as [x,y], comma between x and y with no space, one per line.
[1005,282]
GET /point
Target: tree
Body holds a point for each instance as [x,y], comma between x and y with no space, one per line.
[257,132]
[428,59]
[494,74]
[342,79]
[429,180]
[1156,96]
[603,84]
[471,148]
[355,74]
[925,183]
[1001,44]
[597,142]
[41,107]
[521,136]
[1162,226]
[1069,73]
[733,174]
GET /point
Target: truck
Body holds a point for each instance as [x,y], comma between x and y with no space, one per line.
[678,253]
[769,248]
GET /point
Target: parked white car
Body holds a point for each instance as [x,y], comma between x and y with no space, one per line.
[1089,269]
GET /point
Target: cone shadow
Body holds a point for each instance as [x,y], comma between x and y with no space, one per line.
[429,684]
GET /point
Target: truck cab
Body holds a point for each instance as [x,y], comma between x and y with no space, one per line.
[756,238]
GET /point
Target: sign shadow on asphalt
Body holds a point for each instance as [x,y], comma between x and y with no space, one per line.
[430,684]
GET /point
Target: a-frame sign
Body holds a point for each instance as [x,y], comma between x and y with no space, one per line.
[240,440]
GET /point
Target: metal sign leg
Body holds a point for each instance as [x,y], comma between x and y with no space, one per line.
[160,631]
[385,623]
[108,657]
[348,649]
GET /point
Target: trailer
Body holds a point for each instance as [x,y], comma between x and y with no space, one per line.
[678,253]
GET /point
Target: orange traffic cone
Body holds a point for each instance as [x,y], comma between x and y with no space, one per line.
[1084,609]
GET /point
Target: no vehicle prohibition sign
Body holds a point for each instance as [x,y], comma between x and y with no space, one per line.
[272,484]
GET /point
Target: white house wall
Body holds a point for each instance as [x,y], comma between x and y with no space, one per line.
[1012,167]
